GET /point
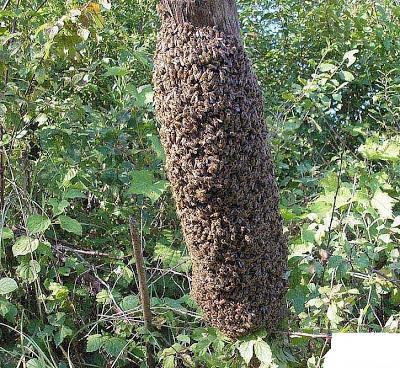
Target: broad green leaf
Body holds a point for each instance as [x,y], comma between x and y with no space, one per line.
[71,173]
[6,233]
[144,95]
[332,315]
[326,67]
[246,350]
[143,183]
[116,71]
[298,297]
[157,190]
[103,297]
[130,302]
[29,270]
[383,203]
[172,258]
[387,150]
[350,57]
[263,352]
[7,285]
[72,193]
[24,245]
[71,225]
[157,147]
[114,346]
[61,334]
[35,363]
[94,343]
[58,292]
[38,224]
[343,197]
[58,206]
[347,76]
[169,362]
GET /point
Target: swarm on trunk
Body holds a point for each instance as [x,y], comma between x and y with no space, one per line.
[210,111]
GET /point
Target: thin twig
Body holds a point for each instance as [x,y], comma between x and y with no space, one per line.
[326,336]
[93,253]
[143,289]
[335,198]
[6,5]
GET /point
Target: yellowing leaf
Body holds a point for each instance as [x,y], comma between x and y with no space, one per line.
[246,350]
[383,203]
[350,56]
[24,245]
[263,352]
[388,150]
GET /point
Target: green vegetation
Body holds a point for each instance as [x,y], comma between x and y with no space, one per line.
[81,154]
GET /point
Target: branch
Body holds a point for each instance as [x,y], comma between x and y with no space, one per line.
[326,336]
[143,289]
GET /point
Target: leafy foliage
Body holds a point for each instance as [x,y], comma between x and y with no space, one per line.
[81,155]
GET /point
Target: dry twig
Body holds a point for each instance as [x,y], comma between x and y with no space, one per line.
[143,289]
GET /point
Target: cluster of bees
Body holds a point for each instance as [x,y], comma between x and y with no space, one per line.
[210,111]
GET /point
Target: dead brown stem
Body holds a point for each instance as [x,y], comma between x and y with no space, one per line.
[143,289]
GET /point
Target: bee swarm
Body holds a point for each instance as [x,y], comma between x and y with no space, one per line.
[210,109]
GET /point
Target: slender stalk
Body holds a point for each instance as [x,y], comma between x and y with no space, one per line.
[143,288]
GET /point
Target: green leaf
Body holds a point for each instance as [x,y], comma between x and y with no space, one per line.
[130,302]
[350,56]
[347,76]
[172,258]
[332,313]
[169,362]
[6,233]
[29,270]
[246,350]
[61,334]
[298,297]
[157,190]
[58,207]
[143,95]
[383,203]
[58,292]
[143,183]
[35,363]
[71,225]
[94,343]
[116,71]
[387,150]
[73,193]
[263,352]
[7,285]
[103,297]
[38,224]
[114,346]
[326,67]
[157,147]
[24,245]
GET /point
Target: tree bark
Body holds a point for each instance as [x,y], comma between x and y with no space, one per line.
[205,13]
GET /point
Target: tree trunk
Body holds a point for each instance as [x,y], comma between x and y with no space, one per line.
[210,111]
